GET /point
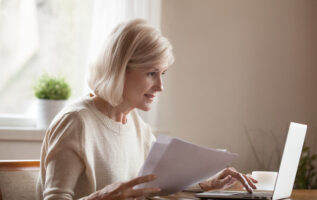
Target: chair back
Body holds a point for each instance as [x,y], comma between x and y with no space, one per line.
[18,179]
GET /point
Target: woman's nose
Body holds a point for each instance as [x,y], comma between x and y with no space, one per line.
[159,85]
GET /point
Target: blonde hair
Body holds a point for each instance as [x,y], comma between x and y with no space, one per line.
[134,44]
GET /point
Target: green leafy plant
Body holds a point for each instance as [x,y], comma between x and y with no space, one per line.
[52,88]
[306,173]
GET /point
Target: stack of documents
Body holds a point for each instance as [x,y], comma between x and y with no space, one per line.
[179,164]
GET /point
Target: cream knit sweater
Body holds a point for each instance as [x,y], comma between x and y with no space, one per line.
[84,150]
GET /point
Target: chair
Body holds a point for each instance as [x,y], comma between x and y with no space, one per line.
[18,179]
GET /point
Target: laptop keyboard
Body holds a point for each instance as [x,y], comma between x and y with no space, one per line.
[254,195]
[235,195]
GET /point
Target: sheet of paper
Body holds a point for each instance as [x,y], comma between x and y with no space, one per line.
[179,164]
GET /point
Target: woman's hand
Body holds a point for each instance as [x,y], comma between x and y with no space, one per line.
[227,178]
[124,190]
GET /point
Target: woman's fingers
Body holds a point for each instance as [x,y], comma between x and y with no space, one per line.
[226,178]
[217,183]
[249,181]
[126,191]
[225,181]
[244,182]
[252,179]
[139,180]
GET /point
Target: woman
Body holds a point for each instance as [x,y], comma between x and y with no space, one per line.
[95,147]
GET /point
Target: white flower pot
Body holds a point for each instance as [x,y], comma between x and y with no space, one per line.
[47,110]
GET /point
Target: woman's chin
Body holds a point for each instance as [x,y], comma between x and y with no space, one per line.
[145,108]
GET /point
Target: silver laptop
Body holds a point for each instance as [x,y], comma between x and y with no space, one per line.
[286,175]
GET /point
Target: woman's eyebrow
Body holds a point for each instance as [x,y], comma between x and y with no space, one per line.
[156,69]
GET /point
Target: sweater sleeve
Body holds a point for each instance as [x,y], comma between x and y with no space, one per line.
[63,160]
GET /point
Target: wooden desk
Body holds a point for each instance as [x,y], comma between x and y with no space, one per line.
[304,195]
[296,195]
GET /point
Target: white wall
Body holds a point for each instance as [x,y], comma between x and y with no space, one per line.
[20,143]
[241,66]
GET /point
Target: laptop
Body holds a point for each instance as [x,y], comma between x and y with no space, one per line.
[286,175]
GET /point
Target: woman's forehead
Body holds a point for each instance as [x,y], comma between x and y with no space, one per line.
[156,67]
[160,66]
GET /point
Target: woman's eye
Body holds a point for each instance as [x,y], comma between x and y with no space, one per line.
[151,73]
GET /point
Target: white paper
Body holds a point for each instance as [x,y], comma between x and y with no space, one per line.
[179,164]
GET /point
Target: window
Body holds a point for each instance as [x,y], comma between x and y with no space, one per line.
[18,46]
[58,37]
[41,36]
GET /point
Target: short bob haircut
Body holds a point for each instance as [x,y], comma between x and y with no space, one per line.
[133,44]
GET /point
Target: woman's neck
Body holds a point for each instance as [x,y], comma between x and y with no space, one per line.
[118,113]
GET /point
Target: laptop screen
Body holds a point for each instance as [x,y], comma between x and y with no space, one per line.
[290,159]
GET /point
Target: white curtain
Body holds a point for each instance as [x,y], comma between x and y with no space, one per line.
[107,14]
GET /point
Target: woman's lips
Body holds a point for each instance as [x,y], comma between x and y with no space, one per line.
[150,96]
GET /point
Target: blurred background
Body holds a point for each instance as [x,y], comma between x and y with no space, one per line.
[243,71]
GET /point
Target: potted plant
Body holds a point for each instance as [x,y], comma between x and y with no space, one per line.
[52,93]
[306,174]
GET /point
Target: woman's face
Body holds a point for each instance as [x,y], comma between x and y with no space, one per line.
[142,85]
